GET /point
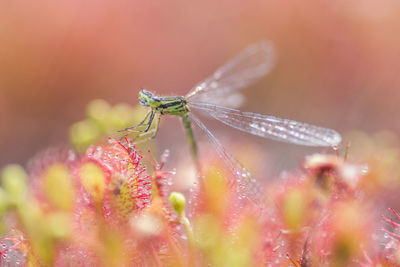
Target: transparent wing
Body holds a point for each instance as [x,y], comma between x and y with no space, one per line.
[271,127]
[243,70]
[247,187]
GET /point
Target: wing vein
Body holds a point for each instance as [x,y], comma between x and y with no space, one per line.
[246,68]
[245,184]
[271,127]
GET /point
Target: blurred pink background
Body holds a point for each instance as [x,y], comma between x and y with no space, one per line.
[338,63]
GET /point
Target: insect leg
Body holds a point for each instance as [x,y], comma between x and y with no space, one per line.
[150,121]
[146,136]
[151,113]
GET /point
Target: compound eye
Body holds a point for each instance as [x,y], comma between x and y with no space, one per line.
[147,93]
[144,102]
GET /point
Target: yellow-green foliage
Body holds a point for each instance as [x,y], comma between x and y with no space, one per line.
[104,207]
[58,186]
[93,180]
[103,120]
[13,180]
[294,208]
[42,227]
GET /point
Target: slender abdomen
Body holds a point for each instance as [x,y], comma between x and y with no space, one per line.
[189,133]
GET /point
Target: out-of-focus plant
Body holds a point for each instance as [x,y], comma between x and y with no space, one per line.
[103,120]
[380,152]
[102,206]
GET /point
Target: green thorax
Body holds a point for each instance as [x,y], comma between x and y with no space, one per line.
[171,105]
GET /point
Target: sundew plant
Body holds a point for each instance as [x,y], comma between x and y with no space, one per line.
[199,133]
[107,202]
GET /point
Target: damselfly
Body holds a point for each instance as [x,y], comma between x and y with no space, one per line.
[243,70]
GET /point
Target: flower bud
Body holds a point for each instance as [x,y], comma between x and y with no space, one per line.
[178,202]
[14,181]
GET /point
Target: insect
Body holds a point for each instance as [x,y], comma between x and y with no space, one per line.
[221,87]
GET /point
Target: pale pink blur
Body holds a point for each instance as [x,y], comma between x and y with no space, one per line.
[338,61]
